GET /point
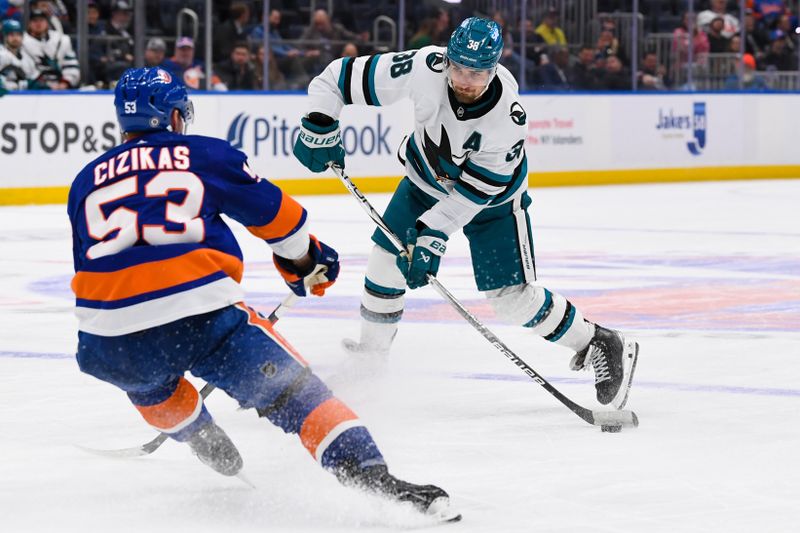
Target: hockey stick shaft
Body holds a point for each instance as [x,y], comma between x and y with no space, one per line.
[599,418]
[153,445]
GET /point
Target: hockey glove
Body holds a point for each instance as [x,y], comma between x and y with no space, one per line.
[425,250]
[317,277]
[317,146]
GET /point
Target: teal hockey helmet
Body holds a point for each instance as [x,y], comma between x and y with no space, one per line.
[477,43]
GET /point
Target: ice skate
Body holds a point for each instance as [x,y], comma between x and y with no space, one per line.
[213,447]
[430,500]
[614,360]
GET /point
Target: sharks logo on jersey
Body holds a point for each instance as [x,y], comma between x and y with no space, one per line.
[435,61]
[441,156]
[518,114]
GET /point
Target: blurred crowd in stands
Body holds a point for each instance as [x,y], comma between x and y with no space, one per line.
[39,42]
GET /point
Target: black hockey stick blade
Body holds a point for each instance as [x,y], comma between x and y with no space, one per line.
[597,418]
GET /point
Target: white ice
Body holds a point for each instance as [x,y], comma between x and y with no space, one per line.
[705,275]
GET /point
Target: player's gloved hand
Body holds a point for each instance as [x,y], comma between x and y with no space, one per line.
[319,143]
[425,250]
[315,272]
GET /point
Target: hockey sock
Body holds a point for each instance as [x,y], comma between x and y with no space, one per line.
[176,409]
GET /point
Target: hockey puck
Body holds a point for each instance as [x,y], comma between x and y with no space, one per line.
[610,429]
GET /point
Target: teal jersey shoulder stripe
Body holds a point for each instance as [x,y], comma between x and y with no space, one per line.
[345,76]
[368,80]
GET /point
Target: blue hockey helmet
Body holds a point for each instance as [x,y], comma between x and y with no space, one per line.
[11,26]
[145,98]
[477,43]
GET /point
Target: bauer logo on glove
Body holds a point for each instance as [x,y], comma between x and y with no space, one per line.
[425,249]
[319,145]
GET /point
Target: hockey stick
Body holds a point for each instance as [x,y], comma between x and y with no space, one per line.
[153,445]
[624,418]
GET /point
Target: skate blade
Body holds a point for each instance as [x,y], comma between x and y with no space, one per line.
[631,355]
[441,511]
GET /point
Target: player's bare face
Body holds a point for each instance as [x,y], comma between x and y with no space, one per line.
[468,83]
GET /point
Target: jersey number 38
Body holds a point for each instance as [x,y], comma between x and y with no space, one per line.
[125,221]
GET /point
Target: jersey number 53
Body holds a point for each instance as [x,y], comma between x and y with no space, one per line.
[125,221]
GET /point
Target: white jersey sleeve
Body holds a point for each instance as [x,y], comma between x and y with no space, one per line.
[376,80]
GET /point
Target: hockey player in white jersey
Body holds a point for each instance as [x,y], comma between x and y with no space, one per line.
[17,69]
[465,168]
[52,52]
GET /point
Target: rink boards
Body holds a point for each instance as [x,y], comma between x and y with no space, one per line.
[572,139]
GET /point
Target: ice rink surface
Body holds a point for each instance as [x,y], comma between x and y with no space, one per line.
[705,275]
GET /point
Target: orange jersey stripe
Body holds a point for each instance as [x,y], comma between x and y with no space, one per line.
[254,319]
[289,215]
[175,411]
[155,275]
[322,420]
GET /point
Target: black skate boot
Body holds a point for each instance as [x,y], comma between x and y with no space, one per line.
[614,360]
[427,499]
[213,447]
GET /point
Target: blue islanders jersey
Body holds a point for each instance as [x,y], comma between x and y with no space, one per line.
[149,244]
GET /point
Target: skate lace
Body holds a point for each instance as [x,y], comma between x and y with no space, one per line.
[599,361]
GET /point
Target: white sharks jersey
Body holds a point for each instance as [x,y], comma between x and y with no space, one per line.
[16,69]
[468,156]
[54,57]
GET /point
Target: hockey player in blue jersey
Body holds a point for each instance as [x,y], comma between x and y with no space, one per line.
[157,274]
[465,168]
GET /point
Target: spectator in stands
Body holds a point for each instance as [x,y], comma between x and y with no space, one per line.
[680,44]
[511,57]
[615,77]
[582,75]
[652,76]
[779,57]
[155,52]
[57,14]
[52,52]
[442,31]
[718,9]
[751,81]
[549,29]
[184,65]
[292,62]
[350,50]
[769,11]
[608,45]
[756,39]
[238,72]
[119,51]
[17,69]
[552,75]
[11,10]
[97,46]
[717,43]
[277,81]
[327,38]
[425,34]
[785,25]
[233,31]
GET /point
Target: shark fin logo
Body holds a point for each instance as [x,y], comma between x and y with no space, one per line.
[435,61]
[697,145]
[517,114]
[236,131]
